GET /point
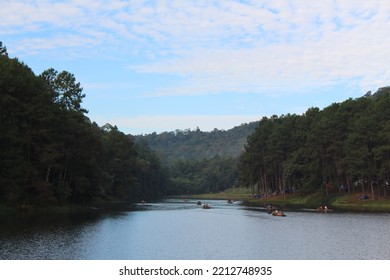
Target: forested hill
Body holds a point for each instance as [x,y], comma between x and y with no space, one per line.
[197,145]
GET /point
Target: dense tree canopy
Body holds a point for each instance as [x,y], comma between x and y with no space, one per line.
[50,152]
[203,176]
[344,147]
[198,161]
[198,145]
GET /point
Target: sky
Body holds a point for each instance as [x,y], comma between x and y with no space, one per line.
[154,66]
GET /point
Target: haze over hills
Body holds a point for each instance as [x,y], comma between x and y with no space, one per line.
[197,145]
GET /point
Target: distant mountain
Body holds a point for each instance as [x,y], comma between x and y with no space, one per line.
[198,145]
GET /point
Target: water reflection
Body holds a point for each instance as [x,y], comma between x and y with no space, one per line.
[44,235]
[183,230]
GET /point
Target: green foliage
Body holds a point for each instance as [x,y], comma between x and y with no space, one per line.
[200,162]
[335,150]
[199,145]
[63,89]
[202,176]
[50,152]
[3,49]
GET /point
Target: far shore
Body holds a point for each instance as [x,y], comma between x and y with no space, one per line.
[337,202]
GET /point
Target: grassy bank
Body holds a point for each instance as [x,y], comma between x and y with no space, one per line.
[354,203]
[233,194]
[338,202]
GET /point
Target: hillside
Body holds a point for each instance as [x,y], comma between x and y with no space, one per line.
[198,145]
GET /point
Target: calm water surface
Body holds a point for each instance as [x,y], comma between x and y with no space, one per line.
[176,230]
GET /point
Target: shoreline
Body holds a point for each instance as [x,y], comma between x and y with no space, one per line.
[337,202]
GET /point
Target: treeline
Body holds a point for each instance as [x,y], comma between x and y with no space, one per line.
[203,176]
[198,161]
[342,148]
[50,152]
[198,145]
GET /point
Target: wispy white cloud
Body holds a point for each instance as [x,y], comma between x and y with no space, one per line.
[297,45]
[216,46]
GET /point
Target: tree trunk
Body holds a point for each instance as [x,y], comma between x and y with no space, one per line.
[326,190]
[348,185]
[48,174]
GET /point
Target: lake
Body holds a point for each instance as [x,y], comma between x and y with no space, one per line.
[173,229]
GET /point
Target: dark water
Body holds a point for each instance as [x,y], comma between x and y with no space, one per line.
[176,230]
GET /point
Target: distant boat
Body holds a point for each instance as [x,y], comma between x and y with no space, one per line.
[278,213]
[323,209]
[206,206]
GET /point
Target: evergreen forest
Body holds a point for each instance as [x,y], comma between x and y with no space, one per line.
[343,148]
[198,145]
[50,151]
[198,161]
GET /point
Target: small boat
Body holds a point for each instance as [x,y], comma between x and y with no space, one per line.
[206,206]
[323,209]
[278,213]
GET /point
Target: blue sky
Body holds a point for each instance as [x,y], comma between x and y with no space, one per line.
[154,66]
